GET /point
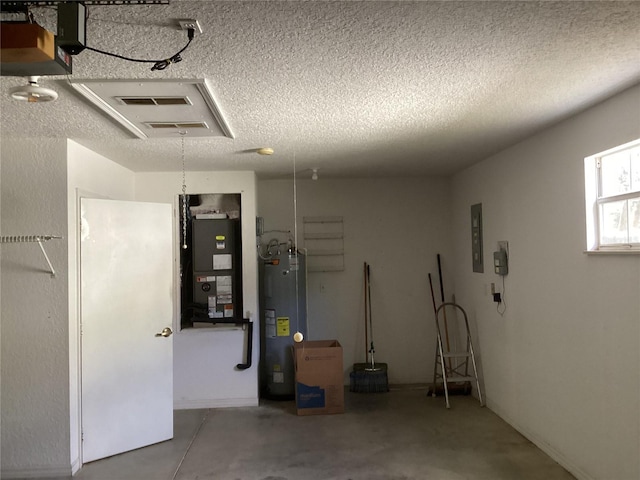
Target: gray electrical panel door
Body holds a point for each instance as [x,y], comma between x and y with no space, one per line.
[217,267]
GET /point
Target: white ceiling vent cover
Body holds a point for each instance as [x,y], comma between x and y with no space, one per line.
[139,105]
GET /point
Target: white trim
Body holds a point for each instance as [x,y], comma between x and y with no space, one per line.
[618,198]
[592,187]
[75,466]
[90,95]
[79,195]
[612,251]
[207,93]
[591,195]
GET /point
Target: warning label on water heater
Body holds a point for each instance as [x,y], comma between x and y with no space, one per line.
[283,327]
[270,323]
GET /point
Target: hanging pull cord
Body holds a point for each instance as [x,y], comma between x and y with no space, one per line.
[184,197]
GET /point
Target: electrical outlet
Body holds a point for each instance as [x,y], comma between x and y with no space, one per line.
[493,289]
[190,23]
[503,245]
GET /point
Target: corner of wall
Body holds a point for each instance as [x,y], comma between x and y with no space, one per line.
[35,413]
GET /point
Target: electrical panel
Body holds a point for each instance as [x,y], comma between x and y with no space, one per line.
[500,262]
[476,238]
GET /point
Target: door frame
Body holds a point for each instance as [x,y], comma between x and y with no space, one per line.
[75,330]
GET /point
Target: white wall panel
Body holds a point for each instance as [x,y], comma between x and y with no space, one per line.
[205,358]
[562,363]
[35,336]
[397,226]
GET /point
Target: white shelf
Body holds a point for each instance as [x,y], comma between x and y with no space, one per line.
[324,242]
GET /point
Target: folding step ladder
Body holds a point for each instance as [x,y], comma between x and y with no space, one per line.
[454,366]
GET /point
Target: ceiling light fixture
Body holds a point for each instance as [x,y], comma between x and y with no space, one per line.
[314,175]
[265,151]
[33,93]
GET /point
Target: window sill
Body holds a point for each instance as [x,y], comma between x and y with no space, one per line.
[206,327]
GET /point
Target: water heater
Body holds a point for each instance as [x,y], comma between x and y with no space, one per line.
[283,291]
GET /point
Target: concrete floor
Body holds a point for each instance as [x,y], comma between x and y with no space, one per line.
[400,435]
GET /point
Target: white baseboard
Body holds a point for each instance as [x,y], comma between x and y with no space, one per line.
[57,472]
[556,455]
[215,403]
[75,466]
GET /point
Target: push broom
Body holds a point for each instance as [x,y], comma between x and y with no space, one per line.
[369,377]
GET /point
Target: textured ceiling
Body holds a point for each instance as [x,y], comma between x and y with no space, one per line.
[353,88]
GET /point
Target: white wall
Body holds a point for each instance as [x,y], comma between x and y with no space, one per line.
[397,226]
[562,364]
[35,363]
[93,176]
[205,358]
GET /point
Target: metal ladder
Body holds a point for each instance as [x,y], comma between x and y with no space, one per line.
[459,371]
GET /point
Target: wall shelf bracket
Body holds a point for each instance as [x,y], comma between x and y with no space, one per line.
[32,238]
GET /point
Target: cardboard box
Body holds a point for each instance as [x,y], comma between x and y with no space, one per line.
[319,377]
[26,42]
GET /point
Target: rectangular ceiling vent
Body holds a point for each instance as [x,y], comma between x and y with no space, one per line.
[177,125]
[157,108]
[155,100]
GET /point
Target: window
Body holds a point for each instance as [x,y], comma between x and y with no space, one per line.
[612,188]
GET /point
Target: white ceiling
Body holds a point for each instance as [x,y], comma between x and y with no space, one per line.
[353,88]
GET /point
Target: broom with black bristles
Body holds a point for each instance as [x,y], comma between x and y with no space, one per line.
[369,377]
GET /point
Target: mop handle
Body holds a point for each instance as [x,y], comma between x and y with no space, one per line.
[370,316]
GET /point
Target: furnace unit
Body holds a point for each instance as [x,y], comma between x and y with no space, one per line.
[216,270]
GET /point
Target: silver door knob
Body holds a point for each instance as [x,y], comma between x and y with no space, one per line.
[166,332]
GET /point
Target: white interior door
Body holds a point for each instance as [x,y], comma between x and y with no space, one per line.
[126,300]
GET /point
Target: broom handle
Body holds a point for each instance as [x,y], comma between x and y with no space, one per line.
[433,298]
[444,310]
[435,311]
[366,315]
